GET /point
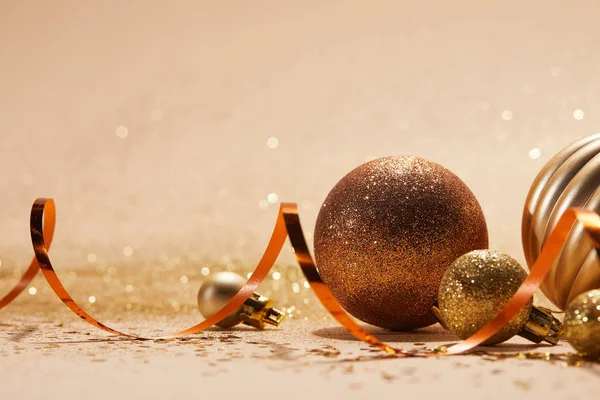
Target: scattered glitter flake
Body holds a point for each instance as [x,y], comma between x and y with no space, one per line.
[272,198]
[112,270]
[276,276]
[535,153]
[205,271]
[128,251]
[507,115]
[263,204]
[92,299]
[248,275]
[578,114]
[32,291]
[92,258]
[306,284]
[129,288]
[122,132]
[272,143]
[565,359]
[523,385]
[184,279]
[387,377]
[326,351]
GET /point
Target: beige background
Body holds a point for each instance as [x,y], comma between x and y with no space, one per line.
[200,86]
[148,121]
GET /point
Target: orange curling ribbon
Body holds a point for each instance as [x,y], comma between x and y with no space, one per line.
[33,268]
[541,267]
[288,225]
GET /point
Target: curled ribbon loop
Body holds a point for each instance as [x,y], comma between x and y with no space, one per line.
[33,268]
[44,211]
[288,225]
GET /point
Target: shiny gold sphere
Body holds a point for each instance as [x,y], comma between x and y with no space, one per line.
[582,323]
[387,232]
[476,288]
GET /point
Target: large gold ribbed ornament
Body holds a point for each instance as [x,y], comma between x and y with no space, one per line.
[569,179]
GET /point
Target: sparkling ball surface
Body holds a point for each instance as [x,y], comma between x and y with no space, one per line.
[386,234]
[476,288]
[582,323]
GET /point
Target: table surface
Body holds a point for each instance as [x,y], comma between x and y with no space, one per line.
[53,354]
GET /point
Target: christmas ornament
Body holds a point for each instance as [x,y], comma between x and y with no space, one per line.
[582,323]
[387,232]
[569,179]
[476,288]
[220,288]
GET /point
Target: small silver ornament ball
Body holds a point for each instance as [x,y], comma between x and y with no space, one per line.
[215,292]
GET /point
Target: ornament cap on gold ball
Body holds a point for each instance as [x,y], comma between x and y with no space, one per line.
[542,326]
[476,288]
[257,311]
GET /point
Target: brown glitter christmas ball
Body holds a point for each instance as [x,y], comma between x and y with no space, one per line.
[386,234]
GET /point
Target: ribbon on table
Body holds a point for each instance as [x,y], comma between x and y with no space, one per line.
[43,217]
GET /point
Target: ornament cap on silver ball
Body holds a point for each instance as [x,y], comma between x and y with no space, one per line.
[219,289]
[477,286]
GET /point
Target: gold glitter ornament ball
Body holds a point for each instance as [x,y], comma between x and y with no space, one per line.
[582,323]
[386,234]
[476,288]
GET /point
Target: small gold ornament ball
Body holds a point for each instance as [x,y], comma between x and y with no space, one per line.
[387,232]
[476,288]
[582,323]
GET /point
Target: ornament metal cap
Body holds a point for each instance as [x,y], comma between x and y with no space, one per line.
[542,326]
[257,310]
